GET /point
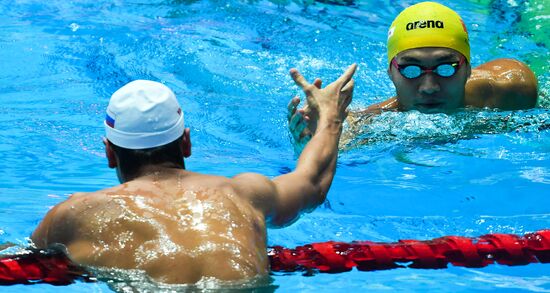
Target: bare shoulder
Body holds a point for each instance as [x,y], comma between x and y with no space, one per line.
[60,214]
[507,84]
[73,206]
[257,189]
[252,182]
[505,65]
[61,222]
[80,202]
[221,183]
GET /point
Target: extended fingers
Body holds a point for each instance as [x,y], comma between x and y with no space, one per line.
[318,83]
[291,107]
[347,92]
[297,124]
[299,127]
[305,135]
[346,77]
[298,78]
[349,86]
[301,131]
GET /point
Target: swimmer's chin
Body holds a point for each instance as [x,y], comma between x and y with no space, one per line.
[432,108]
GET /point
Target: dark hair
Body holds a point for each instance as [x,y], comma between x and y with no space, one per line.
[131,161]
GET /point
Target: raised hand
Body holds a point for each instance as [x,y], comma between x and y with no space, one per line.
[302,122]
[332,101]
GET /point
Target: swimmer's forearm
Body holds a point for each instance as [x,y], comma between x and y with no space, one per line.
[306,187]
[318,160]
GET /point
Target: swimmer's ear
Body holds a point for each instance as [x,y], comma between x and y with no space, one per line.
[110,153]
[186,143]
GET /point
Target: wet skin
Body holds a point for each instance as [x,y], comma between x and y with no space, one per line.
[430,93]
[505,84]
[182,227]
[176,230]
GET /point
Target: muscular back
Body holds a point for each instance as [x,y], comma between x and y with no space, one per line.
[177,226]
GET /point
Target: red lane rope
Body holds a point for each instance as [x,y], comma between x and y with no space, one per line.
[54,267]
[40,266]
[333,257]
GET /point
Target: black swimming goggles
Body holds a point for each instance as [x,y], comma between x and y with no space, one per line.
[447,69]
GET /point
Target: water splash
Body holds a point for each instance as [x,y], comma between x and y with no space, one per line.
[413,126]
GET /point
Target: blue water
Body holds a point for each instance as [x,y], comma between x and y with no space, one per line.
[405,176]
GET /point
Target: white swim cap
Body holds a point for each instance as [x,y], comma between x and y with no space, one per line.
[143,114]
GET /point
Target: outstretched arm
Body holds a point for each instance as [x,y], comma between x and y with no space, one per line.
[286,196]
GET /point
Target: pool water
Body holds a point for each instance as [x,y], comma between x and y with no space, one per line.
[405,176]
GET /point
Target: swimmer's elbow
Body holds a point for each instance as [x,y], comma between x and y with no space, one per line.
[289,212]
[281,221]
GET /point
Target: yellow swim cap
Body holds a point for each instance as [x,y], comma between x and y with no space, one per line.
[428,24]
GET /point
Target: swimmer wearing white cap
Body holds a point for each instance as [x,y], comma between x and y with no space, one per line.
[179,226]
[429,65]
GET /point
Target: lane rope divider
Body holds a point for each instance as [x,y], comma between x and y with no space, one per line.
[334,257]
[52,266]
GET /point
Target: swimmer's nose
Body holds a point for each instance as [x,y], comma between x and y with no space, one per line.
[428,84]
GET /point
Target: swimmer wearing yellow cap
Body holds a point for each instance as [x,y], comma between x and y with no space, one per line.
[429,64]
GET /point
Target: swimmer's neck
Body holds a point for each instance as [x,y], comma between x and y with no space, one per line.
[163,169]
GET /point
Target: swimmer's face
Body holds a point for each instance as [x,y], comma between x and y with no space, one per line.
[430,92]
